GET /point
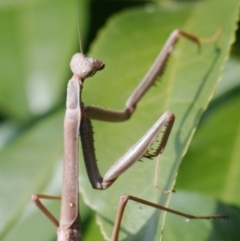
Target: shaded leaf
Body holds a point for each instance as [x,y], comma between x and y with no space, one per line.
[214,152]
[218,229]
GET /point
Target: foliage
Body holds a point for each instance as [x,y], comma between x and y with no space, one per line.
[38,39]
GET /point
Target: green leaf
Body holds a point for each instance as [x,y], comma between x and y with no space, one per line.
[214,152]
[134,38]
[176,227]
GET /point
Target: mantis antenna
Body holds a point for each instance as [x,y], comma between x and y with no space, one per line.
[79,29]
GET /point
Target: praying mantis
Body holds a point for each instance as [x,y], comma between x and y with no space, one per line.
[78,123]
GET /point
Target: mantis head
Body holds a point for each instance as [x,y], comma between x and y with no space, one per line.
[84,67]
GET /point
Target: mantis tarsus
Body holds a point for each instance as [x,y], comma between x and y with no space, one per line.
[77,122]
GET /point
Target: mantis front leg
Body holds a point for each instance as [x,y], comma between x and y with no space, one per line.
[141,148]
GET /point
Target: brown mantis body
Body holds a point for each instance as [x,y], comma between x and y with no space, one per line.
[77,122]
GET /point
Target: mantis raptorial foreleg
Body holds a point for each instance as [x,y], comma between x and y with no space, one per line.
[77,122]
[141,148]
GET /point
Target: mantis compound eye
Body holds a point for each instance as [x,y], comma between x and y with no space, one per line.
[85,67]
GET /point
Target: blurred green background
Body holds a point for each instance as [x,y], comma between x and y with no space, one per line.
[38,38]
